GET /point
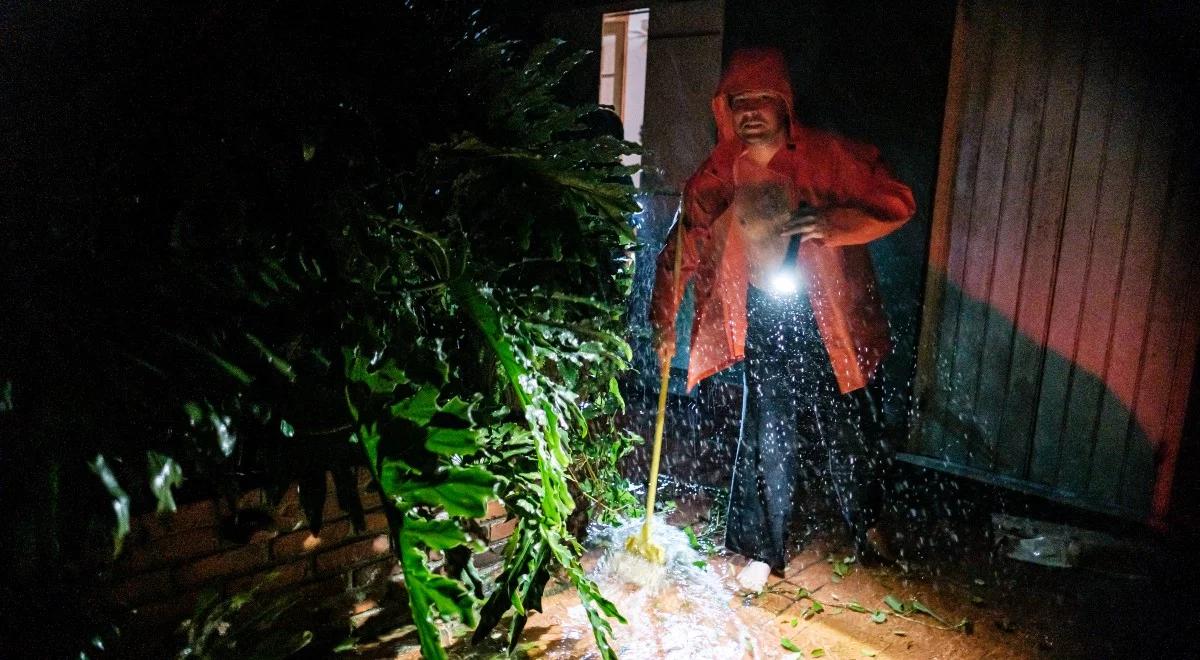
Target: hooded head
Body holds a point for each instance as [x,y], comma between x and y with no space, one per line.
[752,70]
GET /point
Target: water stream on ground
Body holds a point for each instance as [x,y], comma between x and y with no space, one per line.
[681,611]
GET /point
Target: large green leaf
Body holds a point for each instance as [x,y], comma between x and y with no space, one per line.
[431,595]
[460,491]
[436,534]
[418,408]
[452,442]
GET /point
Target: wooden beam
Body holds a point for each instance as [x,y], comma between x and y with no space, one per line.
[939,233]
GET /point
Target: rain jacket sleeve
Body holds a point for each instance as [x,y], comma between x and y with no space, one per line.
[696,216]
[867,201]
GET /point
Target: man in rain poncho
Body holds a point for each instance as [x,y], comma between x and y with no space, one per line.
[810,348]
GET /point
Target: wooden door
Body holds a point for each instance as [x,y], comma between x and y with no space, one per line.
[1061,316]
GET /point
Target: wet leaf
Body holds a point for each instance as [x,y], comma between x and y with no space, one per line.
[452,442]
[920,607]
[418,408]
[460,491]
[165,474]
[879,616]
[853,606]
[120,500]
[286,429]
[894,603]
[436,534]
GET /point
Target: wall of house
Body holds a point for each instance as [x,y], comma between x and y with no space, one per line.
[169,561]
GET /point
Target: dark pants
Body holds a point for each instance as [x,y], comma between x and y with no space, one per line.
[797,431]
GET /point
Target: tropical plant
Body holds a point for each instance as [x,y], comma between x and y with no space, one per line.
[324,238]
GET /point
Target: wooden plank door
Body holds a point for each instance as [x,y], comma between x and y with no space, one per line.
[1060,326]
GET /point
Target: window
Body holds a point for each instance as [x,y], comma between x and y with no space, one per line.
[623,45]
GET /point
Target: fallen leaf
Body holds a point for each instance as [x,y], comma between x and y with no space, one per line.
[795,622]
[817,653]
[879,616]
[853,606]
[869,653]
[789,645]
[899,633]
[815,608]
[894,603]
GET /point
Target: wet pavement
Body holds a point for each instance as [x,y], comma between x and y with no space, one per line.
[693,609]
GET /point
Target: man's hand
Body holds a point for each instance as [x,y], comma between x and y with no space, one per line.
[808,222]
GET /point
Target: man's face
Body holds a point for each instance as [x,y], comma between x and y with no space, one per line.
[758,117]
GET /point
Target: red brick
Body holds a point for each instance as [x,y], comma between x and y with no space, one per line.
[187,517]
[364,479]
[495,509]
[332,511]
[263,535]
[277,577]
[254,499]
[376,522]
[345,557]
[143,588]
[501,530]
[164,614]
[370,499]
[487,559]
[288,514]
[302,542]
[168,550]
[320,591]
[374,575]
[238,560]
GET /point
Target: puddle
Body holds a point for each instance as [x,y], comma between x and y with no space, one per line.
[681,611]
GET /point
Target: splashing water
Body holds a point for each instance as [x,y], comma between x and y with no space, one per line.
[678,611]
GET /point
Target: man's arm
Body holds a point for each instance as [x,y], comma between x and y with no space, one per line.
[865,201]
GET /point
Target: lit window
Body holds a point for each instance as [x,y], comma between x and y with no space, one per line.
[623,44]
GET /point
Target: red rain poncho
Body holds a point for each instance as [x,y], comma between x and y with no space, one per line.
[861,199]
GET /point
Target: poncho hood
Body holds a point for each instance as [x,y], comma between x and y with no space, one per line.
[752,70]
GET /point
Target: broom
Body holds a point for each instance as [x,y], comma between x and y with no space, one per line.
[641,544]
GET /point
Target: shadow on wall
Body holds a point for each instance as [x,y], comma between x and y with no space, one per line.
[1004,408]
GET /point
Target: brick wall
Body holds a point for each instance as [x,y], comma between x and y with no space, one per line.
[168,561]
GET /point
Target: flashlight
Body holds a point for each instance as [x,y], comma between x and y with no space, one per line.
[786,280]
